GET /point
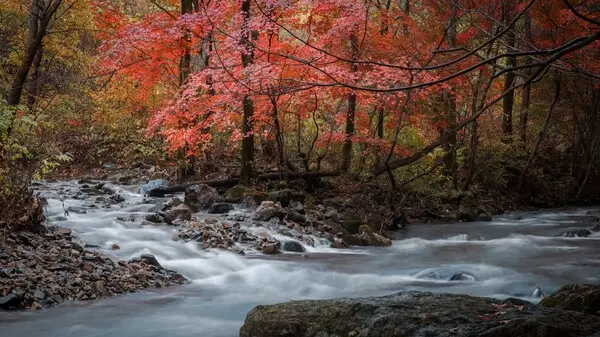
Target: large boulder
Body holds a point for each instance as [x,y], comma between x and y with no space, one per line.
[268,210]
[181,212]
[201,196]
[580,297]
[412,314]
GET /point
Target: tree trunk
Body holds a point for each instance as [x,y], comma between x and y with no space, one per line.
[541,135]
[247,169]
[39,19]
[350,112]
[450,108]
[509,78]
[185,164]
[34,83]
[527,88]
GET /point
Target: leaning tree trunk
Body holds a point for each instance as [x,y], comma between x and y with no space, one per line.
[39,19]
[247,163]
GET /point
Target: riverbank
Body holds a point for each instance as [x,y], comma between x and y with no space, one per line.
[39,271]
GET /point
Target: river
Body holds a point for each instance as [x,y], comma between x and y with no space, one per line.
[508,257]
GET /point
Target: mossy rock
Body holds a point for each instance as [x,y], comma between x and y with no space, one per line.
[583,298]
[235,194]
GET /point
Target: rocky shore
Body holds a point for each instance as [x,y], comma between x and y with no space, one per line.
[573,311]
[38,271]
[290,213]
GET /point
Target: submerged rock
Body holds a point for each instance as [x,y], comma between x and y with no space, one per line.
[577,233]
[416,314]
[462,277]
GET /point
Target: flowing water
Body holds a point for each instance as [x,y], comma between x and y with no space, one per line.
[508,257]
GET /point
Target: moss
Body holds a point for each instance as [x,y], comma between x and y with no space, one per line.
[236,192]
[309,201]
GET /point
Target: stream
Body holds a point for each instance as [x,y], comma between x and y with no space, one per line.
[511,256]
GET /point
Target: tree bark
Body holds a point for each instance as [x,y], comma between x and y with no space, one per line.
[527,88]
[34,83]
[509,78]
[450,108]
[350,112]
[247,150]
[39,19]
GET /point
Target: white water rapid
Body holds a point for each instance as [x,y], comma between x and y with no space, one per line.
[509,257]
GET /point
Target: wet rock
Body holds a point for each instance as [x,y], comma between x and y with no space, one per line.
[181,212]
[76,246]
[284,197]
[117,198]
[583,298]
[76,210]
[201,196]
[293,246]
[339,244]
[220,208]
[173,202]
[152,185]
[416,314]
[39,295]
[271,249]
[250,202]
[577,233]
[537,293]
[10,301]
[296,217]
[367,237]
[154,218]
[268,210]
[115,246]
[62,231]
[462,277]
[150,259]
[253,199]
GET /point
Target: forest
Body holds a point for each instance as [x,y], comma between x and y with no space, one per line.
[425,102]
[212,156]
